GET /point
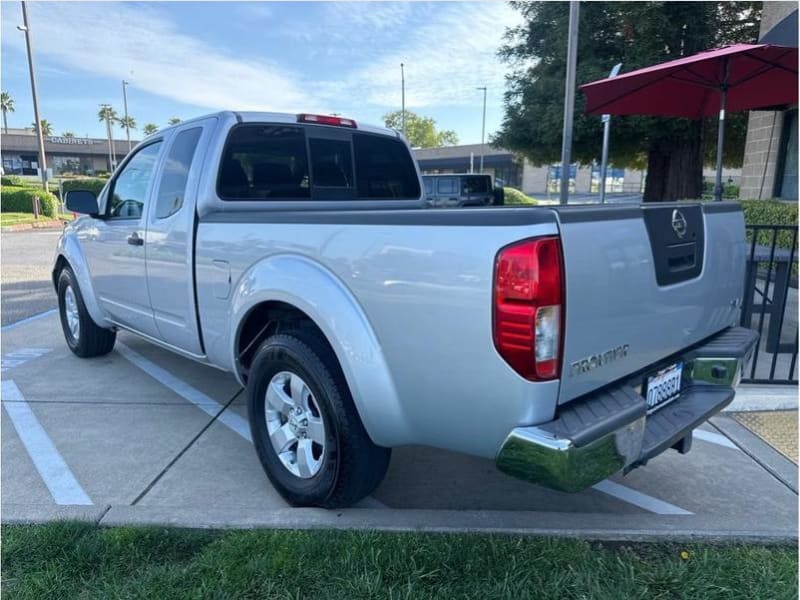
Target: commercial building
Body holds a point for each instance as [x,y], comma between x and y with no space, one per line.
[65,155]
[770,155]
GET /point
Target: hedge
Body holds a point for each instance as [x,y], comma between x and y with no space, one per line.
[514,196]
[12,180]
[92,184]
[771,212]
[20,199]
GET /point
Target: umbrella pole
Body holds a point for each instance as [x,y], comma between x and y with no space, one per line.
[723,99]
[720,142]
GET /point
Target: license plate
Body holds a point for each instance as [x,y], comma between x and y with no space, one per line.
[663,387]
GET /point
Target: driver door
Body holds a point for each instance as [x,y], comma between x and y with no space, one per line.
[115,249]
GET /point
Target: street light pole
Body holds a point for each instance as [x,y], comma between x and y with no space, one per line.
[569,99]
[42,159]
[403,100]
[483,125]
[125,102]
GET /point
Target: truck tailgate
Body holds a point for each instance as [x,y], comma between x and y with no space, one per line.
[645,282]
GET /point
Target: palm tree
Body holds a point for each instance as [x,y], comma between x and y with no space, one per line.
[174,121]
[109,115]
[127,123]
[47,128]
[149,128]
[67,134]
[7,106]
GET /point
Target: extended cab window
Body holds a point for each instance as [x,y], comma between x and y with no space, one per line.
[172,188]
[129,193]
[264,162]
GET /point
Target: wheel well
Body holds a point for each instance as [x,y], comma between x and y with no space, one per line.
[264,320]
[61,262]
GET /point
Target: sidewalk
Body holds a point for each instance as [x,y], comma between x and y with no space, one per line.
[770,412]
[777,427]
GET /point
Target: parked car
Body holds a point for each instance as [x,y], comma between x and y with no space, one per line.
[460,189]
[566,342]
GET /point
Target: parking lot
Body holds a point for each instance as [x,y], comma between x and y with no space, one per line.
[143,436]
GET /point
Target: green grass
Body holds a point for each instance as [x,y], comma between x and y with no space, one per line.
[19,218]
[74,560]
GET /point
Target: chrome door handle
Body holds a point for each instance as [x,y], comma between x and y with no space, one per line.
[135,240]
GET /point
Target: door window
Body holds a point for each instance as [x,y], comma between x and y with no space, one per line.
[129,193]
[172,187]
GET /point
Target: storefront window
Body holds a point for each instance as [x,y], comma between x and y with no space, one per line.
[787,180]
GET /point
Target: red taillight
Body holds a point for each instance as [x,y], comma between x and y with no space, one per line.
[529,307]
[326,120]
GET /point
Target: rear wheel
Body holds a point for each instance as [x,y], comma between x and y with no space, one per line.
[83,336]
[305,427]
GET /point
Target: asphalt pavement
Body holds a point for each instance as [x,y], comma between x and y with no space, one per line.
[25,285]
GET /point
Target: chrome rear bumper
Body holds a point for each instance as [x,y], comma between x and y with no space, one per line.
[597,436]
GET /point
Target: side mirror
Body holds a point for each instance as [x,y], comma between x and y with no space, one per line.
[82,201]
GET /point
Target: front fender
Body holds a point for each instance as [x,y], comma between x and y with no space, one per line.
[69,249]
[322,296]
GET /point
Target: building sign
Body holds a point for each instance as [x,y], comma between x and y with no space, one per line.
[71,140]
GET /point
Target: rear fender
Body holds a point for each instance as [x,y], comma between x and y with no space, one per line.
[309,287]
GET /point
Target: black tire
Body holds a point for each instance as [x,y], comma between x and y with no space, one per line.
[91,339]
[351,466]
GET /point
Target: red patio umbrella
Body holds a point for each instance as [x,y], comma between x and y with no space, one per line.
[738,77]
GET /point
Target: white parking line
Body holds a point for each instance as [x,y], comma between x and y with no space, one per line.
[55,473]
[11,326]
[202,401]
[714,438]
[208,405]
[637,498]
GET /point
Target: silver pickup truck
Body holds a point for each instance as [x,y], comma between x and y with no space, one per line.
[295,251]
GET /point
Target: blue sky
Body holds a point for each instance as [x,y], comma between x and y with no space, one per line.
[189,58]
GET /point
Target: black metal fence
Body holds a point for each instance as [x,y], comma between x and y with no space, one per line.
[770,302]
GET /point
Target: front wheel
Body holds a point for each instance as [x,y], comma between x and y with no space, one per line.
[83,336]
[305,427]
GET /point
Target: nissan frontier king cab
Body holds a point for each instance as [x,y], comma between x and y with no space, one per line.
[567,343]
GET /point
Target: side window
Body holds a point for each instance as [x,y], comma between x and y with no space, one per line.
[172,187]
[447,185]
[264,162]
[428,186]
[129,192]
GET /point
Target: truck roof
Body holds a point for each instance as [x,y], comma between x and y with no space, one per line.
[275,117]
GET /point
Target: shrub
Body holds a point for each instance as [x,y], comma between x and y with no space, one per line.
[12,180]
[92,184]
[20,199]
[771,212]
[514,196]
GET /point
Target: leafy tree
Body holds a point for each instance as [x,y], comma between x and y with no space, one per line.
[47,127]
[127,122]
[7,106]
[420,131]
[68,134]
[637,34]
[149,128]
[174,121]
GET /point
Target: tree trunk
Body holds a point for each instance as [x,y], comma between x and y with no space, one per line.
[675,168]
[5,123]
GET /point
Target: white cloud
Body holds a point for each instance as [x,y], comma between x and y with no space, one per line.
[445,59]
[452,52]
[138,43]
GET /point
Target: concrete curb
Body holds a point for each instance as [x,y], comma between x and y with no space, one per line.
[750,398]
[29,226]
[596,526]
[780,467]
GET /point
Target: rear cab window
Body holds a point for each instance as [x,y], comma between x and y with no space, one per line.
[297,162]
